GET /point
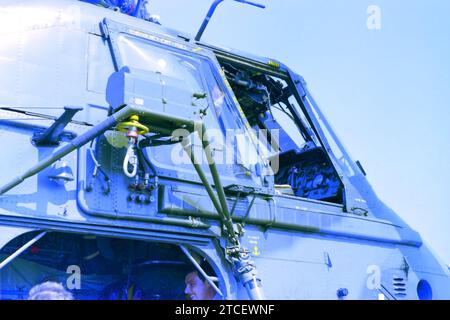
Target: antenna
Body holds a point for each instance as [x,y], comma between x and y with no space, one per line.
[211,12]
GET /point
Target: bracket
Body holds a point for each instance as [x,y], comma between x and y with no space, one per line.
[52,136]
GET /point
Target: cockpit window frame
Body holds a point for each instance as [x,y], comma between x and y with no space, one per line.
[112,30]
[351,198]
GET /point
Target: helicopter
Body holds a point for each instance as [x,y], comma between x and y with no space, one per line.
[133,152]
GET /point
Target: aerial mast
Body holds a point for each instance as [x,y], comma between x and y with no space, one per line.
[211,11]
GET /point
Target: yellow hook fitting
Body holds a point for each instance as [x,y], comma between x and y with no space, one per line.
[133,121]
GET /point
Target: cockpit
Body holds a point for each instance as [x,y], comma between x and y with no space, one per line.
[268,104]
[285,138]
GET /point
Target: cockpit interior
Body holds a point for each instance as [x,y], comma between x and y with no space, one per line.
[300,164]
[95,267]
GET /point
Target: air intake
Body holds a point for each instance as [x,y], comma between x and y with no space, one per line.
[399,286]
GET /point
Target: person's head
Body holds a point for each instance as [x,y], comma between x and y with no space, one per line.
[49,291]
[197,287]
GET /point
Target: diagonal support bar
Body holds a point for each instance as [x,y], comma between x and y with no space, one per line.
[219,201]
[153,116]
[68,148]
[22,249]
[202,176]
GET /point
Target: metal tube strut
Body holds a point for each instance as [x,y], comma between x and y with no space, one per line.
[68,148]
[22,249]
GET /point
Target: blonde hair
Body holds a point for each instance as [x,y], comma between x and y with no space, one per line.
[49,291]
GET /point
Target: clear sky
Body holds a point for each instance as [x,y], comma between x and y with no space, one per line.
[386,91]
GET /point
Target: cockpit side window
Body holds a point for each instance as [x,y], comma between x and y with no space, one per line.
[339,152]
[299,162]
[238,142]
[144,55]
[183,79]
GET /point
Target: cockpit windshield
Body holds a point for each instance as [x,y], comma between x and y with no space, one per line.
[269,105]
[300,163]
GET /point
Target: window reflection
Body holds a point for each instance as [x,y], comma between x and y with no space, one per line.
[232,143]
[141,54]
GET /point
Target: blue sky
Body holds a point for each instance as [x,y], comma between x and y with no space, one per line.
[386,92]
